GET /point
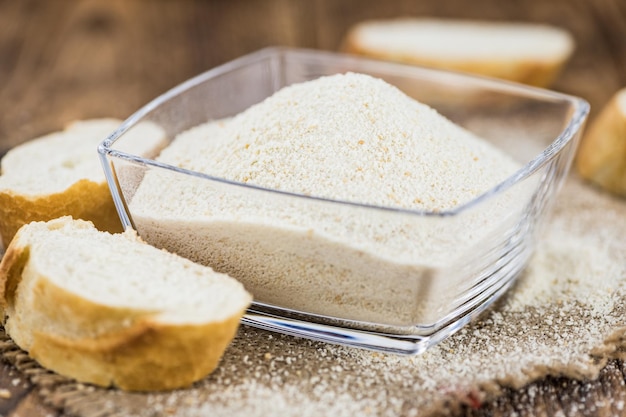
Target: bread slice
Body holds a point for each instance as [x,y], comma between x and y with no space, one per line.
[601,156]
[110,309]
[60,174]
[521,52]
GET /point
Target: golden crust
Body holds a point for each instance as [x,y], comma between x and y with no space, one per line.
[85,200]
[601,156]
[148,356]
[11,268]
[77,315]
[539,74]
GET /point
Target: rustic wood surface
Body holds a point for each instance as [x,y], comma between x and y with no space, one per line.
[62,60]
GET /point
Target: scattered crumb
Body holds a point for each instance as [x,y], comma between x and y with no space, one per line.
[552,322]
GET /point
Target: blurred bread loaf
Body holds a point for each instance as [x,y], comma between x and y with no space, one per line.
[602,153]
[110,309]
[60,174]
[521,52]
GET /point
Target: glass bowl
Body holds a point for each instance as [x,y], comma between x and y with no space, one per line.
[382,278]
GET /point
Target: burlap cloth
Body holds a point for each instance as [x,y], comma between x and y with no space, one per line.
[565,316]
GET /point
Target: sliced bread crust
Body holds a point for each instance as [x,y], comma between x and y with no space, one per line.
[85,199]
[601,156]
[77,322]
[523,52]
[60,174]
[147,357]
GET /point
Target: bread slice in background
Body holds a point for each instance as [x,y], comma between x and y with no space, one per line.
[522,52]
[110,309]
[60,174]
[601,156]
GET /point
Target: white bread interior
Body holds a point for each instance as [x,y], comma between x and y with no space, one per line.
[110,309]
[522,52]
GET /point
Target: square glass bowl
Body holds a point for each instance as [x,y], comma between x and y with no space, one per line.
[375,277]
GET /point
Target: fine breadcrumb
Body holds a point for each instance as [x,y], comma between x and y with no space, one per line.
[348,137]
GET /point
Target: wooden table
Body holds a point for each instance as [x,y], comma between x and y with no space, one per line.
[62,60]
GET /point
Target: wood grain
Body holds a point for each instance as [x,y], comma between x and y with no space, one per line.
[64,60]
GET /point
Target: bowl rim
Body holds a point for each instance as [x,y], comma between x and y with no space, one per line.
[573,127]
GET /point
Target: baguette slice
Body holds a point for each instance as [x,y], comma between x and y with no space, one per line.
[602,153]
[112,310]
[521,52]
[60,174]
